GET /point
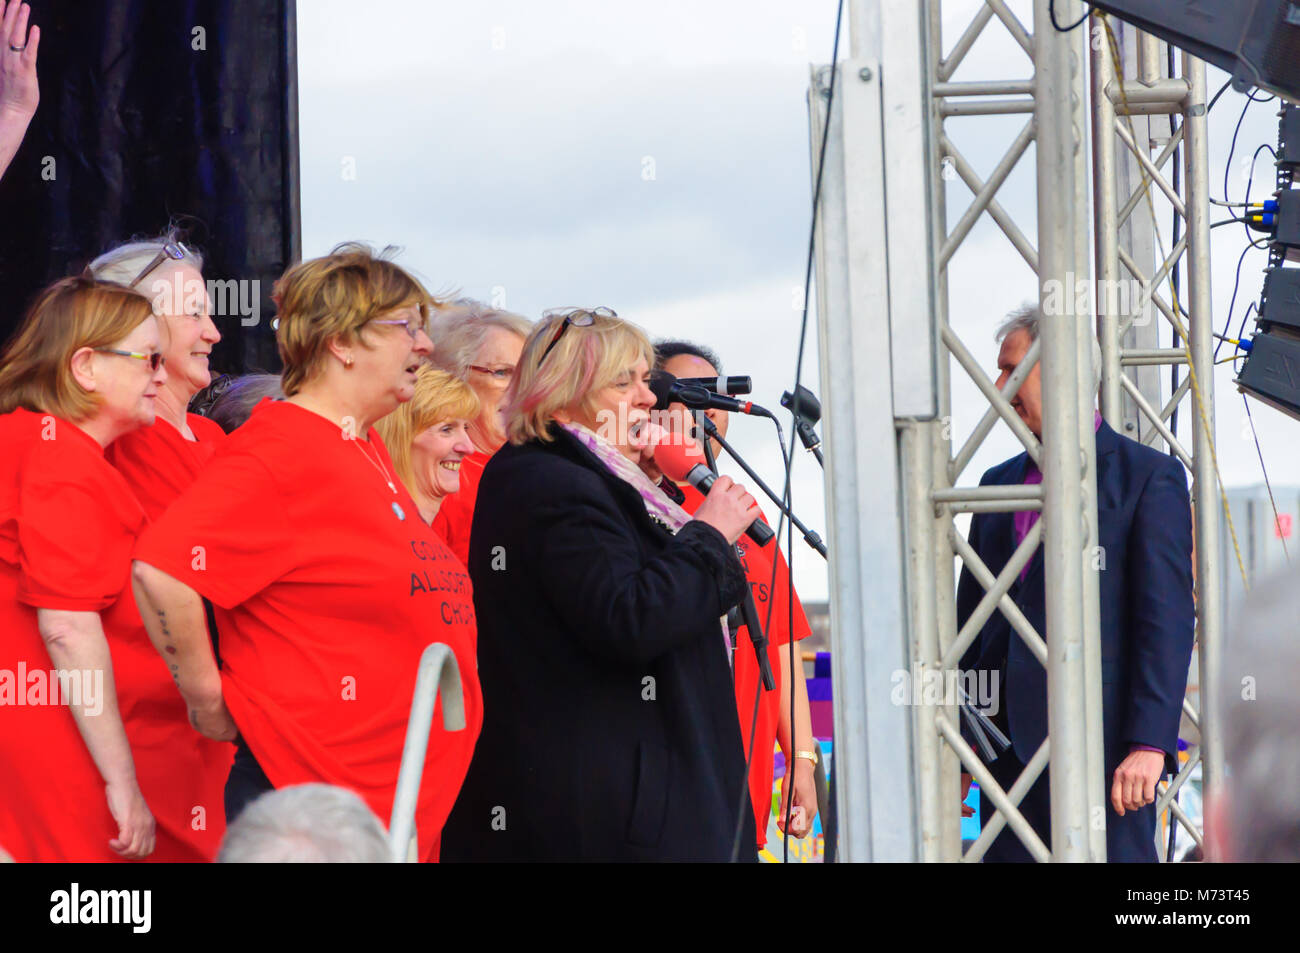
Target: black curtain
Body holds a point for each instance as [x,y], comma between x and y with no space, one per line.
[155,112]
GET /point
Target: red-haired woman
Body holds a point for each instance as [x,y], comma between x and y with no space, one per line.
[83,370]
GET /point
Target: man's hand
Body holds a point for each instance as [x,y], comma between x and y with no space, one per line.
[805,799]
[1135,780]
[966,809]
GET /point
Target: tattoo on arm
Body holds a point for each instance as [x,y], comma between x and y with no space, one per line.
[169,647]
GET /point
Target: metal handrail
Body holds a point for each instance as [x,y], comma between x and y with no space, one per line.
[438,672]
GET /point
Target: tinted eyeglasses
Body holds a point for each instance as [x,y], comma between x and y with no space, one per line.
[171,251]
[578,317]
[156,360]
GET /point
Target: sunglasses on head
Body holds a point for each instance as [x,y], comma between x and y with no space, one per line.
[170,251]
[578,317]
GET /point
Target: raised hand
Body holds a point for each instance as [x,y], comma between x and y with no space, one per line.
[19,93]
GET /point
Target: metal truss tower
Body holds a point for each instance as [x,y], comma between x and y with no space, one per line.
[896,475]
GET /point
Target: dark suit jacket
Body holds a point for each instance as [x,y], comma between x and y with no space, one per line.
[1147,614]
[610,729]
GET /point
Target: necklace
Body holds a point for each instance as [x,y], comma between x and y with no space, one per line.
[383,472]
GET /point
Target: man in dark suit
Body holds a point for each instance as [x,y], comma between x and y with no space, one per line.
[1147,621]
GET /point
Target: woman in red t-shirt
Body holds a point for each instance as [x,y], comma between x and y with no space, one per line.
[83,370]
[481,346]
[327,584]
[182,776]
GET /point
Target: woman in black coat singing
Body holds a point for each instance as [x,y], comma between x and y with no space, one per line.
[609,729]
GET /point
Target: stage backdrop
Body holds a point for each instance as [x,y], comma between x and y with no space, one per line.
[152,113]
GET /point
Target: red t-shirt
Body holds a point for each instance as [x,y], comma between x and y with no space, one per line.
[68,521]
[325,600]
[179,770]
[160,464]
[456,514]
[757,562]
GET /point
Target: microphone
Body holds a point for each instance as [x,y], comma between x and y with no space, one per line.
[674,460]
[669,390]
[807,409]
[805,402]
[730,386]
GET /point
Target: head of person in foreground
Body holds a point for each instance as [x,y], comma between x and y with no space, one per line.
[306,824]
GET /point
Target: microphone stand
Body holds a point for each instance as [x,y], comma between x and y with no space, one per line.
[807,410]
[747,608]
[810,440]
[810,537]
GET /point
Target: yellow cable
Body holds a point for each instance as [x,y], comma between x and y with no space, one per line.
[1178,324]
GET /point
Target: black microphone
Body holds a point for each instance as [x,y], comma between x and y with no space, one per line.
[805,402]
[728,386]
[674,460]
[669,389]
[807,409]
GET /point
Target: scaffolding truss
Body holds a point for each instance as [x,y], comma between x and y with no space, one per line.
[894,481]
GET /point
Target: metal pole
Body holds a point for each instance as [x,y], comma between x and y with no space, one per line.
[1105,204]
[1205,495]
[1142,82]
[875,785]
[937,434]
[438,672]
[1085,360]
[923,625]
[1068,484]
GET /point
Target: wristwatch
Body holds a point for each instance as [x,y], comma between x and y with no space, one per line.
[809,755]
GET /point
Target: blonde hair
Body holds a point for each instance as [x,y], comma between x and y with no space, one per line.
[36,367]
[336,296]
[585,360]
[438,396]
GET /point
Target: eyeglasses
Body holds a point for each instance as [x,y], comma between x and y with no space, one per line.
[174,251]
[578,317]
[413,328]
[497,373]
[413,325]
[156,360]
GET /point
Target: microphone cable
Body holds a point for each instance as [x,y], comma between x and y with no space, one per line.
[782,523]
[712,462]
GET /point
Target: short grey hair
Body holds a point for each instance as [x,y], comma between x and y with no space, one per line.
[1030,318]
[306,824]
[459,328]
[1261,712]
[124,262]
[231,408]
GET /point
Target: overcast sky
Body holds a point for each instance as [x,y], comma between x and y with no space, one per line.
[654,158]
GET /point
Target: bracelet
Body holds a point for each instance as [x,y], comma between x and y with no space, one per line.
[809,755]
